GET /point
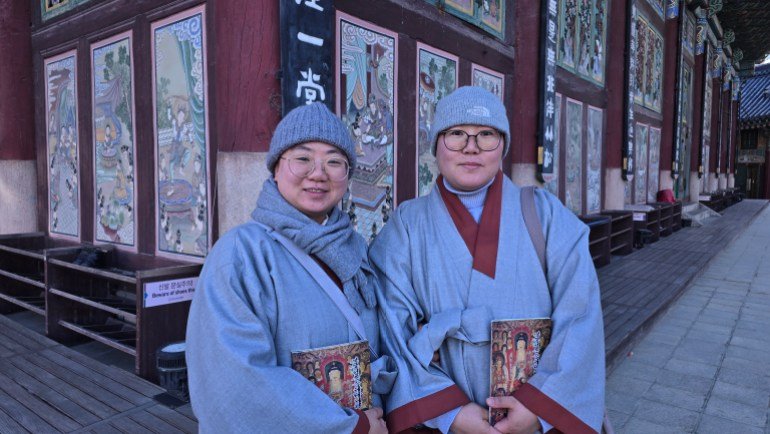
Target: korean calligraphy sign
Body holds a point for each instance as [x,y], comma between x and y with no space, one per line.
[545,160]
[307,50]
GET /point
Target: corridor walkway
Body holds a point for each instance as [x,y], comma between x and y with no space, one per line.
[705,365]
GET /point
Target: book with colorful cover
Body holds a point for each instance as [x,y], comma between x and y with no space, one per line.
[515,349]
[342,371]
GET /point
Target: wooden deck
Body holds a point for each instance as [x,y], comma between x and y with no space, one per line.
[637,288]
[47,387]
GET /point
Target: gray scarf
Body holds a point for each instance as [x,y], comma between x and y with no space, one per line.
[335,243]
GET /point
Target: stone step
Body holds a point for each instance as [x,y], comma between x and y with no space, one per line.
[698,213]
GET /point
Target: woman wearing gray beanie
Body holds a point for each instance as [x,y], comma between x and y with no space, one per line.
[465,255]
[295,278]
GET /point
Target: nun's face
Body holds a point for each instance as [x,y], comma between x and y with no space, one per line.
[469,168]
[316,193]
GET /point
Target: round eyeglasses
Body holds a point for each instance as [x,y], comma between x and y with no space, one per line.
[337,169]
[457,140]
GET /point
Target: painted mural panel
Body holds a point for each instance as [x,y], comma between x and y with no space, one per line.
[654,165]
[366,98]
[52,8]
[113,140]
[688,38]
[599,40]
[460,6]
[489,79]
[181,134]
[640,178]
[642,32]
[437,77]
[594,142]
[707,99]
[492,15]
[582,36]
[573,179]
[553,184]
[568,23]
[62,145]
[487,14]
[649,62]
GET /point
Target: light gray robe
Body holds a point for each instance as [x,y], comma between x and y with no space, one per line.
[253,305]
[427,278]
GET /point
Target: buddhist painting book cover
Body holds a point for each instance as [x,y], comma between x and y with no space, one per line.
[342,371]
[515,349]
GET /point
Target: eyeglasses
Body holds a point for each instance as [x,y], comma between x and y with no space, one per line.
[457,140]
[337,169]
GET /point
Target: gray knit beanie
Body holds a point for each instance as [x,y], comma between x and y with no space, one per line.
[470,105]
[310,123]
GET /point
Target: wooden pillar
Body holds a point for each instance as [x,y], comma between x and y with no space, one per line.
[716,102]
[526,79]
[734,136]
[16,110]
[670,76]
[616,66]
[697,113]
[247,86]
[18,181]
[724,116]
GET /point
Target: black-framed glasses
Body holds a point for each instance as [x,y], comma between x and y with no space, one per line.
[457,140]
[336,168]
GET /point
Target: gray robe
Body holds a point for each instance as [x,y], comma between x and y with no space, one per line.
[427,278]
[253,305]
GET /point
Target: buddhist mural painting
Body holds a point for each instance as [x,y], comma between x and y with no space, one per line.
[582,38]
[181,134]
[492,15]
[649,65]
[553,184]
[366,104]
[640,177]
[654,165]
[62,145]
[488,79]
[53,8]
[113,140]
[568,22]
[487,14]
[436,77]
[688,37]
[573,173]
[594,146]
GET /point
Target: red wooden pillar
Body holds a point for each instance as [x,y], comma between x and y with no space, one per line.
[616,93]
[247,85]
[724,132]
[734,137]
[670,76]
[16,111]
[716,92]
[697,112]
[18,181]
[526,79]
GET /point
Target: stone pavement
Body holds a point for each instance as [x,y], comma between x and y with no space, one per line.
[705,365]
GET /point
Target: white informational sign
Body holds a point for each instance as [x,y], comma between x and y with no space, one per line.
[169,291]
[640,217]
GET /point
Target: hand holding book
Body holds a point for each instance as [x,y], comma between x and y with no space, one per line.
[515,349]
